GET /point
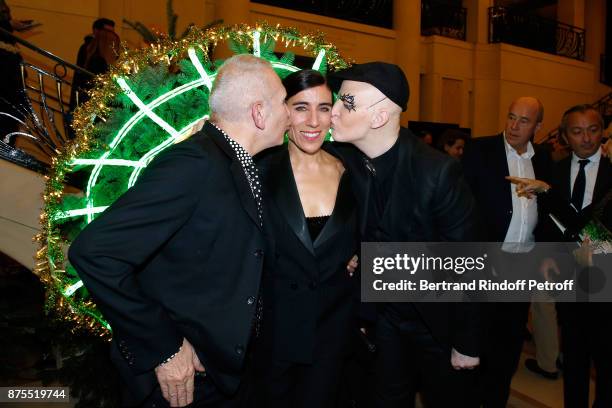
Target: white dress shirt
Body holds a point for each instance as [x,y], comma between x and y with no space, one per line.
[590,172]
[519,237]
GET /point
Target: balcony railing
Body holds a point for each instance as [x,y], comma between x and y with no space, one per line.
[438,18]
[372,12]
[534,32]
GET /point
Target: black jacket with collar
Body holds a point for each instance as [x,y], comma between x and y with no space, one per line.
[430,202]
[180,254]
[558,201]
[486,166]
[309,298]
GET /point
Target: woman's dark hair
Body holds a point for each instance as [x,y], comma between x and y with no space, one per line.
[298,81]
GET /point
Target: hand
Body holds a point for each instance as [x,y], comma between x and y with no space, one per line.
[461,361]
[176,376]
[584,254]
[548,266]
[606,149]
[352,265]
[528,187]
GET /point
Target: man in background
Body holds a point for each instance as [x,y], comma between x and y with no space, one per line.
[80,79]
[509,219]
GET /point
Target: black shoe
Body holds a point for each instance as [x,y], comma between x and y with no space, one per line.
[532,365]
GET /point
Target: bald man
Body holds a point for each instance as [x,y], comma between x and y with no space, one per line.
[175,263]
[509,219]
[408,192]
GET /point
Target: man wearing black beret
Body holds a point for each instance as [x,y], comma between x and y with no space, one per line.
[408,193]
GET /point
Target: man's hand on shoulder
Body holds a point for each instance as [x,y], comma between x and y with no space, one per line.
[461,361]
[176,376]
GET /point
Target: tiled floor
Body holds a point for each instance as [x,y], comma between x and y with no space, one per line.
[530,390]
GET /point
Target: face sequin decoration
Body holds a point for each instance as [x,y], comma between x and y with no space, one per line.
[348,101]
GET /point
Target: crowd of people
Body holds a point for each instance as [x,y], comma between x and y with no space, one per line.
[229,271]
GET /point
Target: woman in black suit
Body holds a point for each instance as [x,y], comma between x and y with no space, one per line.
[309,296]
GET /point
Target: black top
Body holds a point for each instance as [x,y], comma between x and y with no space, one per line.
[310,299]
[384,166]
[315,225]
[429,202]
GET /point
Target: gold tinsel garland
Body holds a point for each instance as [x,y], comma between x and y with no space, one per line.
[50,257]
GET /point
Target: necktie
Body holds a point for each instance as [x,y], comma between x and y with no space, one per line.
[579,185]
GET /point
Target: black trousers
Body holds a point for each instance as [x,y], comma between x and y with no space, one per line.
[505,332]
[408,359]
[585,335]
[292,385]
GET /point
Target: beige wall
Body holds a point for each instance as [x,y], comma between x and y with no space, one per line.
[467,82]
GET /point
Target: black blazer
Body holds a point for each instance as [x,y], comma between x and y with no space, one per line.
[558,201]
[486,166]
[430,202]
[178,255]
[309,298]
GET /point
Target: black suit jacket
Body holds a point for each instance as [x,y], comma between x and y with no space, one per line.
[486,166]
[178,255]
[309,297]
[558,201]
[430,202]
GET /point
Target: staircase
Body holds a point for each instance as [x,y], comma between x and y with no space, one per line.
[603,105]
[43,114]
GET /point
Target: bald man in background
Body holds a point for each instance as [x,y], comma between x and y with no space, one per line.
[509,219]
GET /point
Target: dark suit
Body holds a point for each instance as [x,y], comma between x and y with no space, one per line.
[429,201]
[585,328]
[486,166]
[178,255]
[309,297]
[558,201]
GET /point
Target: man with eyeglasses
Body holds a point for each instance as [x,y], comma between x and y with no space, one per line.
[409,193]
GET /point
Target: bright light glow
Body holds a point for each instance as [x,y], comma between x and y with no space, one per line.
[73,288]
[285,66]
[319,60]
[198,66]
[256,44]
[106,162]
[147,157]
[147,111]
[129,124]
[81,211]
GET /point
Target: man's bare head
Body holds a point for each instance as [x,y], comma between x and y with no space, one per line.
[241,80]
[249,98]
[524,119]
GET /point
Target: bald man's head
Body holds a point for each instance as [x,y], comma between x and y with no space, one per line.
[524,119]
